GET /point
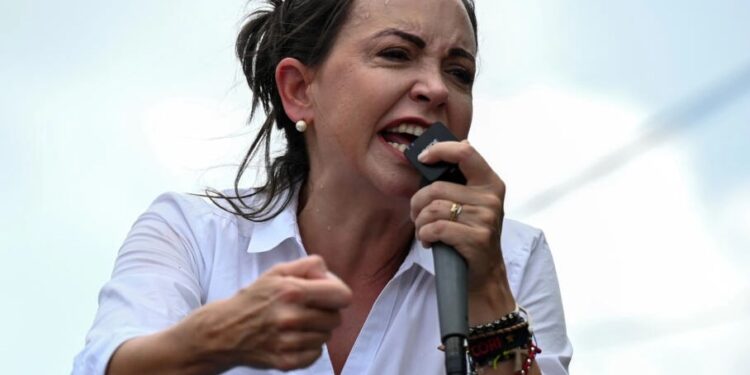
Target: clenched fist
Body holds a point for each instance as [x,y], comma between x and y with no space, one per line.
[279,321]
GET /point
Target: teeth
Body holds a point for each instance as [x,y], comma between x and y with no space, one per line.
[412,129]
[398,146]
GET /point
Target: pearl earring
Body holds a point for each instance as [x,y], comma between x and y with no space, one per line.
[301,126]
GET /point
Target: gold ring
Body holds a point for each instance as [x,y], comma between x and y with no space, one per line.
[456,209]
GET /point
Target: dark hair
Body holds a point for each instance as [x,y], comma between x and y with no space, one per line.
[305,30]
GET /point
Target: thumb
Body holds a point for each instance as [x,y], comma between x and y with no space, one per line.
[310,267]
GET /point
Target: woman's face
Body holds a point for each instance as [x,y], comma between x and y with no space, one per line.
[396,67]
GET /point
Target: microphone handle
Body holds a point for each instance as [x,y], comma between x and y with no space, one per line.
[451,275]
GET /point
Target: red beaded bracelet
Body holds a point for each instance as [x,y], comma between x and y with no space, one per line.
[496,343]
[530,356]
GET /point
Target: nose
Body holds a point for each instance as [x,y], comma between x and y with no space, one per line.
[430,89]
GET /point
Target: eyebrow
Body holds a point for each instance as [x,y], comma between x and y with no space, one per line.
[460,52]
[421,44]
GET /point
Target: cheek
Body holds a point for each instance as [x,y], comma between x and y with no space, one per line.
[352,98]
[370,99]
[464,113]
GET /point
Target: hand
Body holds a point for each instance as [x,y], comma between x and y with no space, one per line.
[476,232]
[280,321]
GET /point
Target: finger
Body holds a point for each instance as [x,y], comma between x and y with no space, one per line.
[293,360]
[301,318]
[310,267]
[329,293]
[489,198]
[469,161]
[295,341]
[469,214]
[470,242]
[436,210]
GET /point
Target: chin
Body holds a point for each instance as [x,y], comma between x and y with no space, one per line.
[392,181]
[400,187]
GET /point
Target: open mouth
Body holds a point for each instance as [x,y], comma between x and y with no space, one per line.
[401,136]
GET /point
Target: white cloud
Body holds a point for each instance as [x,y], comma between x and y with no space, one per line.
[734,215]
[543,135]
[634,253]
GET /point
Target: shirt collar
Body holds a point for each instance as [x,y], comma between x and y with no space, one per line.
[267,235]
[418,256]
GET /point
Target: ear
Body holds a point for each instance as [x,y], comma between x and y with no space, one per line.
[292,80]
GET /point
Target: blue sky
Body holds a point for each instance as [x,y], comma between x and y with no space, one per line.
[106,105]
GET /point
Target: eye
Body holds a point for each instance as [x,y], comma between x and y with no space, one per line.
[395,54]
[463,75]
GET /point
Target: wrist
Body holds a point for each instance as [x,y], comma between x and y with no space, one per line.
[196,354]
[493,300]
[165,352]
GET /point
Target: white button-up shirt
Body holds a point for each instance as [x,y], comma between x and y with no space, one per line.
[185,252]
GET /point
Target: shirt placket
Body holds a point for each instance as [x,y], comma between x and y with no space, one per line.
[374,329]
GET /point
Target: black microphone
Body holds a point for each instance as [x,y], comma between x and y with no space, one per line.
[450,267]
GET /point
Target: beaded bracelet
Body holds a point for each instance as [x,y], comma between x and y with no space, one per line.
[530,355]
[530,350]
[518,326]
[510,319]
[498,346]
[508,337]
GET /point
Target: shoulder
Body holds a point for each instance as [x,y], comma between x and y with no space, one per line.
[190,228]
[195,213]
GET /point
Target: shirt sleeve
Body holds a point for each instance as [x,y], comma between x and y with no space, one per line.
[155,283]
[539,294]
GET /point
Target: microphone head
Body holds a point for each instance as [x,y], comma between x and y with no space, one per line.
[440,171]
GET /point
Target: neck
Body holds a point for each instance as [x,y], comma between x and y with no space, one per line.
[362,235]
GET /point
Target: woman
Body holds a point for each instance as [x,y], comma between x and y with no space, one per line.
[325,269]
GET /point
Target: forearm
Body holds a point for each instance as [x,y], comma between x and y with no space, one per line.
[492,301]
[487,305]
[165,352]
[279,321]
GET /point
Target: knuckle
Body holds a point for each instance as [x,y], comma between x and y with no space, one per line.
[445,187]
[317,260]
[465,151]
[438,228]
[293,360]
[485,237]
[287,320]
[494,202]
[290,291]
[484,234]
[415,199]
[436,189]
[346,293]
[424,235]
[286,344]
[433,210]
[487,216]
[286,362]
